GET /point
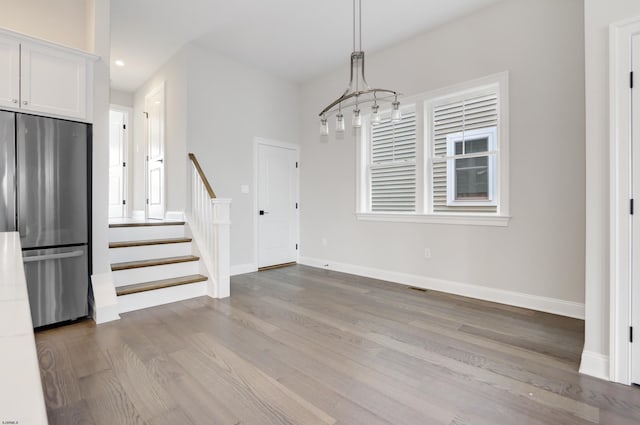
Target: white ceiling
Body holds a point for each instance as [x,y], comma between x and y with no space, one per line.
[295,39]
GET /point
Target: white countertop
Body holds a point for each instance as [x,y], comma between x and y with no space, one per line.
[21,397]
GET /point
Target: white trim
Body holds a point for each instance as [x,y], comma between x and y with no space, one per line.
[161,296]
[595,364]
[269,142]
[243,269]
[460,219]
[517,299]
[174,215]
[46,43]
[620,192]
[105,303]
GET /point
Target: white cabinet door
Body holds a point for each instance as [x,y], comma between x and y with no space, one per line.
[9,72]
[53,81]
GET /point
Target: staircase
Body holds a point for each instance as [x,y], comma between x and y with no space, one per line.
[153,263]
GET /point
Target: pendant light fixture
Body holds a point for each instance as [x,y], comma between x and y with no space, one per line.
[358,92]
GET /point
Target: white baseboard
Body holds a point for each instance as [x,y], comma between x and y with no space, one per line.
[137,214]
[595,364]
[517,299]
[243,268]
[105,302]
[174,215]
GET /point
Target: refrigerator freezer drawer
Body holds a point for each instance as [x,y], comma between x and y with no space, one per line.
[58,284]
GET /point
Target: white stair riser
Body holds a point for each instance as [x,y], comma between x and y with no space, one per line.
[147,274]
[137,253]
[141,233]
[146,299]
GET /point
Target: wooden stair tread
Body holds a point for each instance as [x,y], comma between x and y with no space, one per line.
[127,244]
[159,284]
[147,224]
[153,262]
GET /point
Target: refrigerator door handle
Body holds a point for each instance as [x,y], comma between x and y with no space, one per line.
[53,256]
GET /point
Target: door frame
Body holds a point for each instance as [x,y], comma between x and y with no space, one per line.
[128,111]
[620,175]
[261,141]
[160,88]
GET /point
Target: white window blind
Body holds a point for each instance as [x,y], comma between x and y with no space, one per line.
[455,119]
[392,164]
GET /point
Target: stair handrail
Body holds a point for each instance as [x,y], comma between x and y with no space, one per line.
[203,177]
[209,222]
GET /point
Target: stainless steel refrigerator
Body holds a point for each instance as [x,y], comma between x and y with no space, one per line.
[44,195]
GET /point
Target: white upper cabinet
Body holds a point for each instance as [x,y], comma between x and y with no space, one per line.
[53,82]
[9,72]
[44,78]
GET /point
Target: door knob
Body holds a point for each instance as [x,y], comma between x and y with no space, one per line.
[263,212]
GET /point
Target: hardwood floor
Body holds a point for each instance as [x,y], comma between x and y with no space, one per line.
[300,345]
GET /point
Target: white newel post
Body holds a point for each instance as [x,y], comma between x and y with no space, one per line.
[221,228]
[210,223]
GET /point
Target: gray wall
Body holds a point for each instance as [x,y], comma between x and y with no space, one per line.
[121,98]
[174,75]
[214,108]
[541,252]
[229,105]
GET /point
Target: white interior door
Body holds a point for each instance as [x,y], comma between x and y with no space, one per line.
[277,205]
[155,114]
[117,163]
[635,225]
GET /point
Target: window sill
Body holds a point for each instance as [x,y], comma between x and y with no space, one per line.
[467,219]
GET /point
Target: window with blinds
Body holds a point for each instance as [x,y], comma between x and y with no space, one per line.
[446,161]
[392,164]
[463,162]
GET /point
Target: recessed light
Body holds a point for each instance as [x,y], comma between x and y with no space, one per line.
[119,62]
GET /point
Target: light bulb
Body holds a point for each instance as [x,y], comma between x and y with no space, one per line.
[356,119]
[375,115]
[396,115]
[324,126]
[340,123]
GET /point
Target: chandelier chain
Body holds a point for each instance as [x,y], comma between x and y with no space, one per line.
[360,23]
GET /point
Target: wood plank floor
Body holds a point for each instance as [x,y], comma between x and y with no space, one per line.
[300,345]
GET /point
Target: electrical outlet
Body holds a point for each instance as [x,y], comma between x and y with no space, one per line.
[427,253]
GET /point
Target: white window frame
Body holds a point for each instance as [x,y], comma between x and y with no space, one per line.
[497,83]
[491,134]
